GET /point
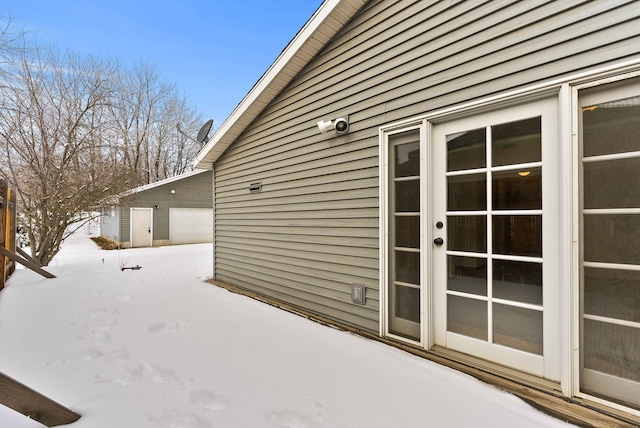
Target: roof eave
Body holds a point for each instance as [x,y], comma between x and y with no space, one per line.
[330,17]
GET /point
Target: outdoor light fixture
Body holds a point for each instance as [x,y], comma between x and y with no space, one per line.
[341,125]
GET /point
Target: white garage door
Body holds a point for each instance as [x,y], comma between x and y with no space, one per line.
[190,225]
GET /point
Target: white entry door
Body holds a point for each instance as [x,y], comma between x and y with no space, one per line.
[141,227]
[494,237]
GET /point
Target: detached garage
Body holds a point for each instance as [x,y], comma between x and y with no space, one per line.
[168,212]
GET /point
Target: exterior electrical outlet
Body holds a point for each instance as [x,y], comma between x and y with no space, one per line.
[358,292]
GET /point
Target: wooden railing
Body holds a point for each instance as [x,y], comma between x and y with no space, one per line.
[9,252]
[7,230]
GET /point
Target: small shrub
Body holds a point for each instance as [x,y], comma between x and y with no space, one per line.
[106,243]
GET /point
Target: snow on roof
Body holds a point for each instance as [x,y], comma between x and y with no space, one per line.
[330,17]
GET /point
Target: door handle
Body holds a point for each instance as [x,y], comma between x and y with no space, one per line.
[438,241]
[149,230]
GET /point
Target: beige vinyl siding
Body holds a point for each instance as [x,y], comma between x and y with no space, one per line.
[313,230]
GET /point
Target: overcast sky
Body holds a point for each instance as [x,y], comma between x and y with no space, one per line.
[214,50]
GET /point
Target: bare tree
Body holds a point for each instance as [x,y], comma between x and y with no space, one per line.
[145,112]
[53,125]
[76,130]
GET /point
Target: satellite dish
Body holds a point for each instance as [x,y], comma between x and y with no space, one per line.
[203,134]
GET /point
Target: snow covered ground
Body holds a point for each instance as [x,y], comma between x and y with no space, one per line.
[158,347]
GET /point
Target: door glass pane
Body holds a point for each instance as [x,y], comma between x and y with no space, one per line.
[607,183]
[611,127]
[517,281]
[407,196]
[516,142]
[467,192]
[407,159]
[466,150]
[613,238]
[517,235]
[467,317]
[407,267]
[612,293]
[517,190]
[407,231]
[467,275]
[613,349]
[518,328]
[467,233]
[407,303]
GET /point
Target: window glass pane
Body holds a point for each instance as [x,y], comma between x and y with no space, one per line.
[467,233]
[612,293]
[467,192]
[613,238]
[407,303]
[517,235]
[466,150]
[407,266]
[514,190]
[613,349]
[517,328]
[467,275]
[407,160]
[517,281]
[516,142]
[467,316]
[407,196]
[611,127]
[407,231]
[607,184]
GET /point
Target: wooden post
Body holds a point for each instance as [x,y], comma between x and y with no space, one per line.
[11,228]
[3,230]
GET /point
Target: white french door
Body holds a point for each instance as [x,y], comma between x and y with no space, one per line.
[494,237]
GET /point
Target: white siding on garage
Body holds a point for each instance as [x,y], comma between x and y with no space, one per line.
[190,225]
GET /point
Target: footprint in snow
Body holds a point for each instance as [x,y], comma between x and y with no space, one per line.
[90,354]
[289,420]
[118,357]
[172,326]
[208,400]
[155,374]
[174,419]
[98,337]
[124,297]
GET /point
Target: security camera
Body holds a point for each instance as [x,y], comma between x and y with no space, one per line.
[342,125]
[325,125]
